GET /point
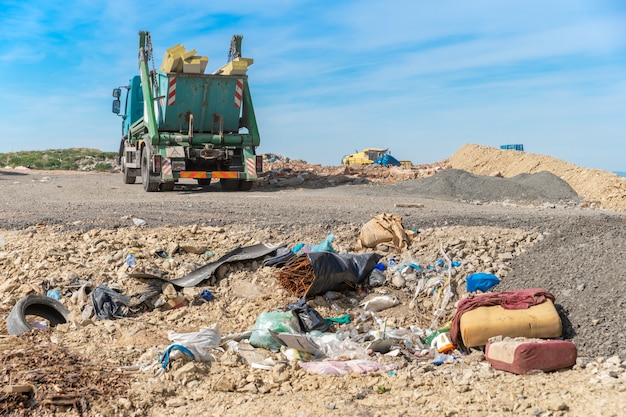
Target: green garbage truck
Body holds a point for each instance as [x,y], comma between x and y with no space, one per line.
[179,123]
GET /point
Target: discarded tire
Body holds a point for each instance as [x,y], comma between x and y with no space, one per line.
[35,305]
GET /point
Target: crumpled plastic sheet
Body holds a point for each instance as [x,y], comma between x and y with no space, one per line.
[340,368]
[108,304]
[198,342]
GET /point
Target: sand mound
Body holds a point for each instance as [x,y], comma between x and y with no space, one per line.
[602,187]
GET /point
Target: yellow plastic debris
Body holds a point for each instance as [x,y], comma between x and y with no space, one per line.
[238,66]
[195,64]
[172,60]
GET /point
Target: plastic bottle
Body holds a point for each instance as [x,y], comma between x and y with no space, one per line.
[130,260]
[443,343]
[54,293]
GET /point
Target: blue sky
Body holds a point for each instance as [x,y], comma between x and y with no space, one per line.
[422,78]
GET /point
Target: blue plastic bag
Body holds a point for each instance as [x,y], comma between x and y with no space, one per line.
[481,281]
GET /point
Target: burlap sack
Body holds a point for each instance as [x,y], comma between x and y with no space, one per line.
[384,228]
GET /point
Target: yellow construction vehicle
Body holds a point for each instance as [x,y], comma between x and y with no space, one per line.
[367,156]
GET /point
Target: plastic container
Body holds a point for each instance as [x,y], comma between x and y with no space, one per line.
[54,293]
[442,343]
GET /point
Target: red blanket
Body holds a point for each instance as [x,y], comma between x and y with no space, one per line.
[510,300]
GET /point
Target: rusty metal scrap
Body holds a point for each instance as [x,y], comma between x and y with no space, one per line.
[297,275]
[57,374]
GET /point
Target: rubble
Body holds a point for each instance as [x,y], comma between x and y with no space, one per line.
[282,172]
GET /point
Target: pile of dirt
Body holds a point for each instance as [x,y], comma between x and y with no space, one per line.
[603,188]
[538,188]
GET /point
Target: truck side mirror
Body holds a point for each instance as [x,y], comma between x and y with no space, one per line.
[116,106]
[117,92]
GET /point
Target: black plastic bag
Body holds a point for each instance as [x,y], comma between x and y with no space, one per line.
[109,304]
[308,317]
[335,272]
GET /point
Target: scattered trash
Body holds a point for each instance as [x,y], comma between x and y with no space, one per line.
[522,313]
[198,343]
[385,228]
[522,355]
[138,222]
[109,304]
[345,367]
[238,254]
[481,281]
[278,321]
[165,359]
[377,278]
[130,260]
[441,358]
[298,342]
[318,272]
[345,319]
[53,293]
[308,318]
[35,305]
[442,343]
[206,295]
[380,303]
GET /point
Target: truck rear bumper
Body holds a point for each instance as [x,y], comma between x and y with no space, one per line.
[214,174]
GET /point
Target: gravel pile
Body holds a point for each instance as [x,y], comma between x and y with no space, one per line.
[538,188]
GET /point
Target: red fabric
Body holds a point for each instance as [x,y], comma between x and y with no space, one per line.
[510,300]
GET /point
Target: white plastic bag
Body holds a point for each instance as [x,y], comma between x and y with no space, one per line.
[199,342]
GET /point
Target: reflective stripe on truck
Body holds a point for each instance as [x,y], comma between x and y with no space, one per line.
[215,174]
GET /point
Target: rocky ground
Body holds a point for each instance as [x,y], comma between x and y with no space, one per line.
[537,229]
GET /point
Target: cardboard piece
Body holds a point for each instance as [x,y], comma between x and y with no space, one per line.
[300,342]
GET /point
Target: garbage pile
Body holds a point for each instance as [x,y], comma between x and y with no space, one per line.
[377,300]
[283,172]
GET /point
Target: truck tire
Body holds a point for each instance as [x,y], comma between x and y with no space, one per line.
[204,182]
[128,178]
[167,186]
[146,173]
[245,185]
[229,184]
[35,305]
[121,160]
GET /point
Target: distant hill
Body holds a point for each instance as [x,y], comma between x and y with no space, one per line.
[73,159]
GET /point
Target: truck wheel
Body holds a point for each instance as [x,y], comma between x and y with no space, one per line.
[204,181]
[245,185]
[146,178]
[167,186]
[229,184]
[35,305]
[128,178]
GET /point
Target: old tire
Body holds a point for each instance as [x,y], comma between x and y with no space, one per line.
[35,305]
[146,173]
